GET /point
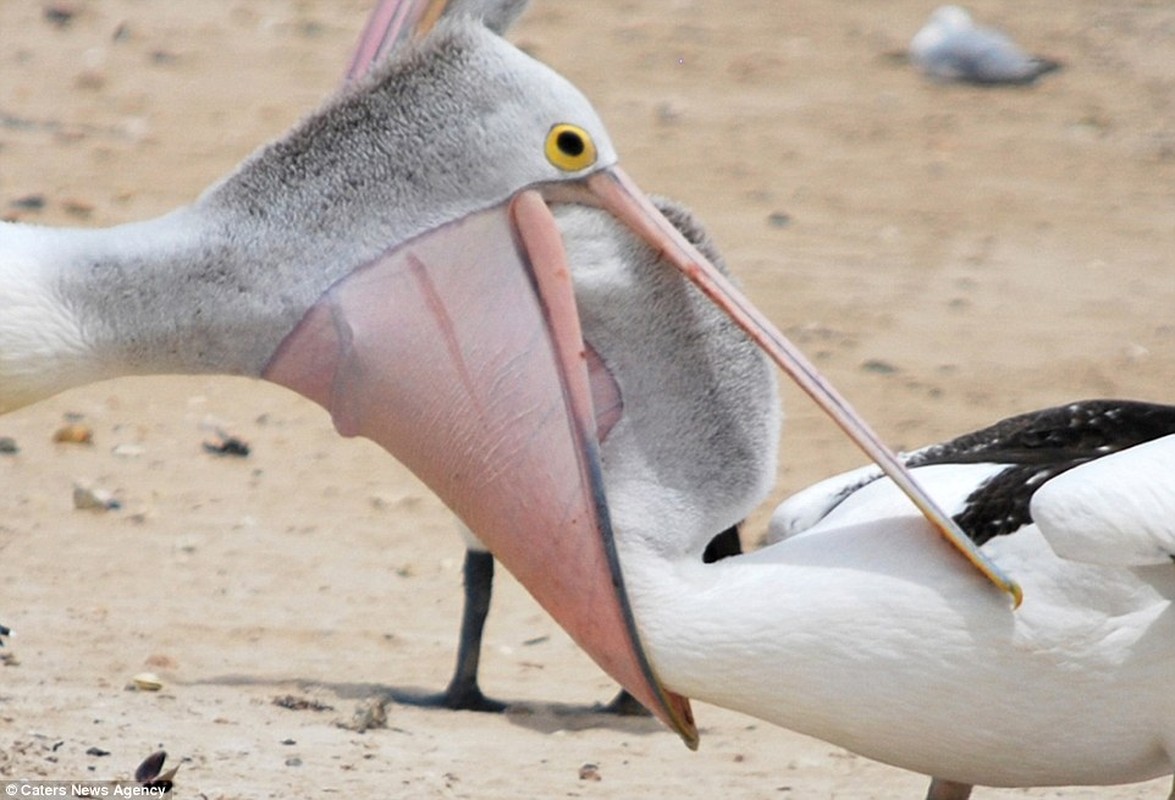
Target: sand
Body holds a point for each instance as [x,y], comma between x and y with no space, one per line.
[948,255]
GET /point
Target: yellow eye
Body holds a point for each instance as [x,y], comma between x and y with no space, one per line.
[570,148]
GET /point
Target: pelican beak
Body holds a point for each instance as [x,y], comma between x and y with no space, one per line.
[460,353]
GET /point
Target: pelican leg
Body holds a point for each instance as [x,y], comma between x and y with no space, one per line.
[722,546]
[463,692]
[947,790]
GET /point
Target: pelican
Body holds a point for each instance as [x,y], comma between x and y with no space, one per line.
[858,628]
[391,25]
[951,47]
[396,258]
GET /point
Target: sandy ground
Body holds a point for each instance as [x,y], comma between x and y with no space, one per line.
[948,255]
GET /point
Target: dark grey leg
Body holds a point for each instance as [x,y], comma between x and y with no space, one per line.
[463,692]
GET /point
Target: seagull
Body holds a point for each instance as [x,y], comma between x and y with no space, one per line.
[950,47]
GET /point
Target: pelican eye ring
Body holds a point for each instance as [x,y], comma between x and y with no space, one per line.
[570,147]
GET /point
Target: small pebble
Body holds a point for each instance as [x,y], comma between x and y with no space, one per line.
[146,682]
[227,446]
[371,713]
[779,219]
[87,498]
[30,202]
[74,433]
[590,772]
[60,14]
[128,450]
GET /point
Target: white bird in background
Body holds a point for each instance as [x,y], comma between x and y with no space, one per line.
[951,47]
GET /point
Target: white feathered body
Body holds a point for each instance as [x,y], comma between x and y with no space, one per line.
[868,631]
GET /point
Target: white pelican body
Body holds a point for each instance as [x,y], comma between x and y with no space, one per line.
[868,631]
